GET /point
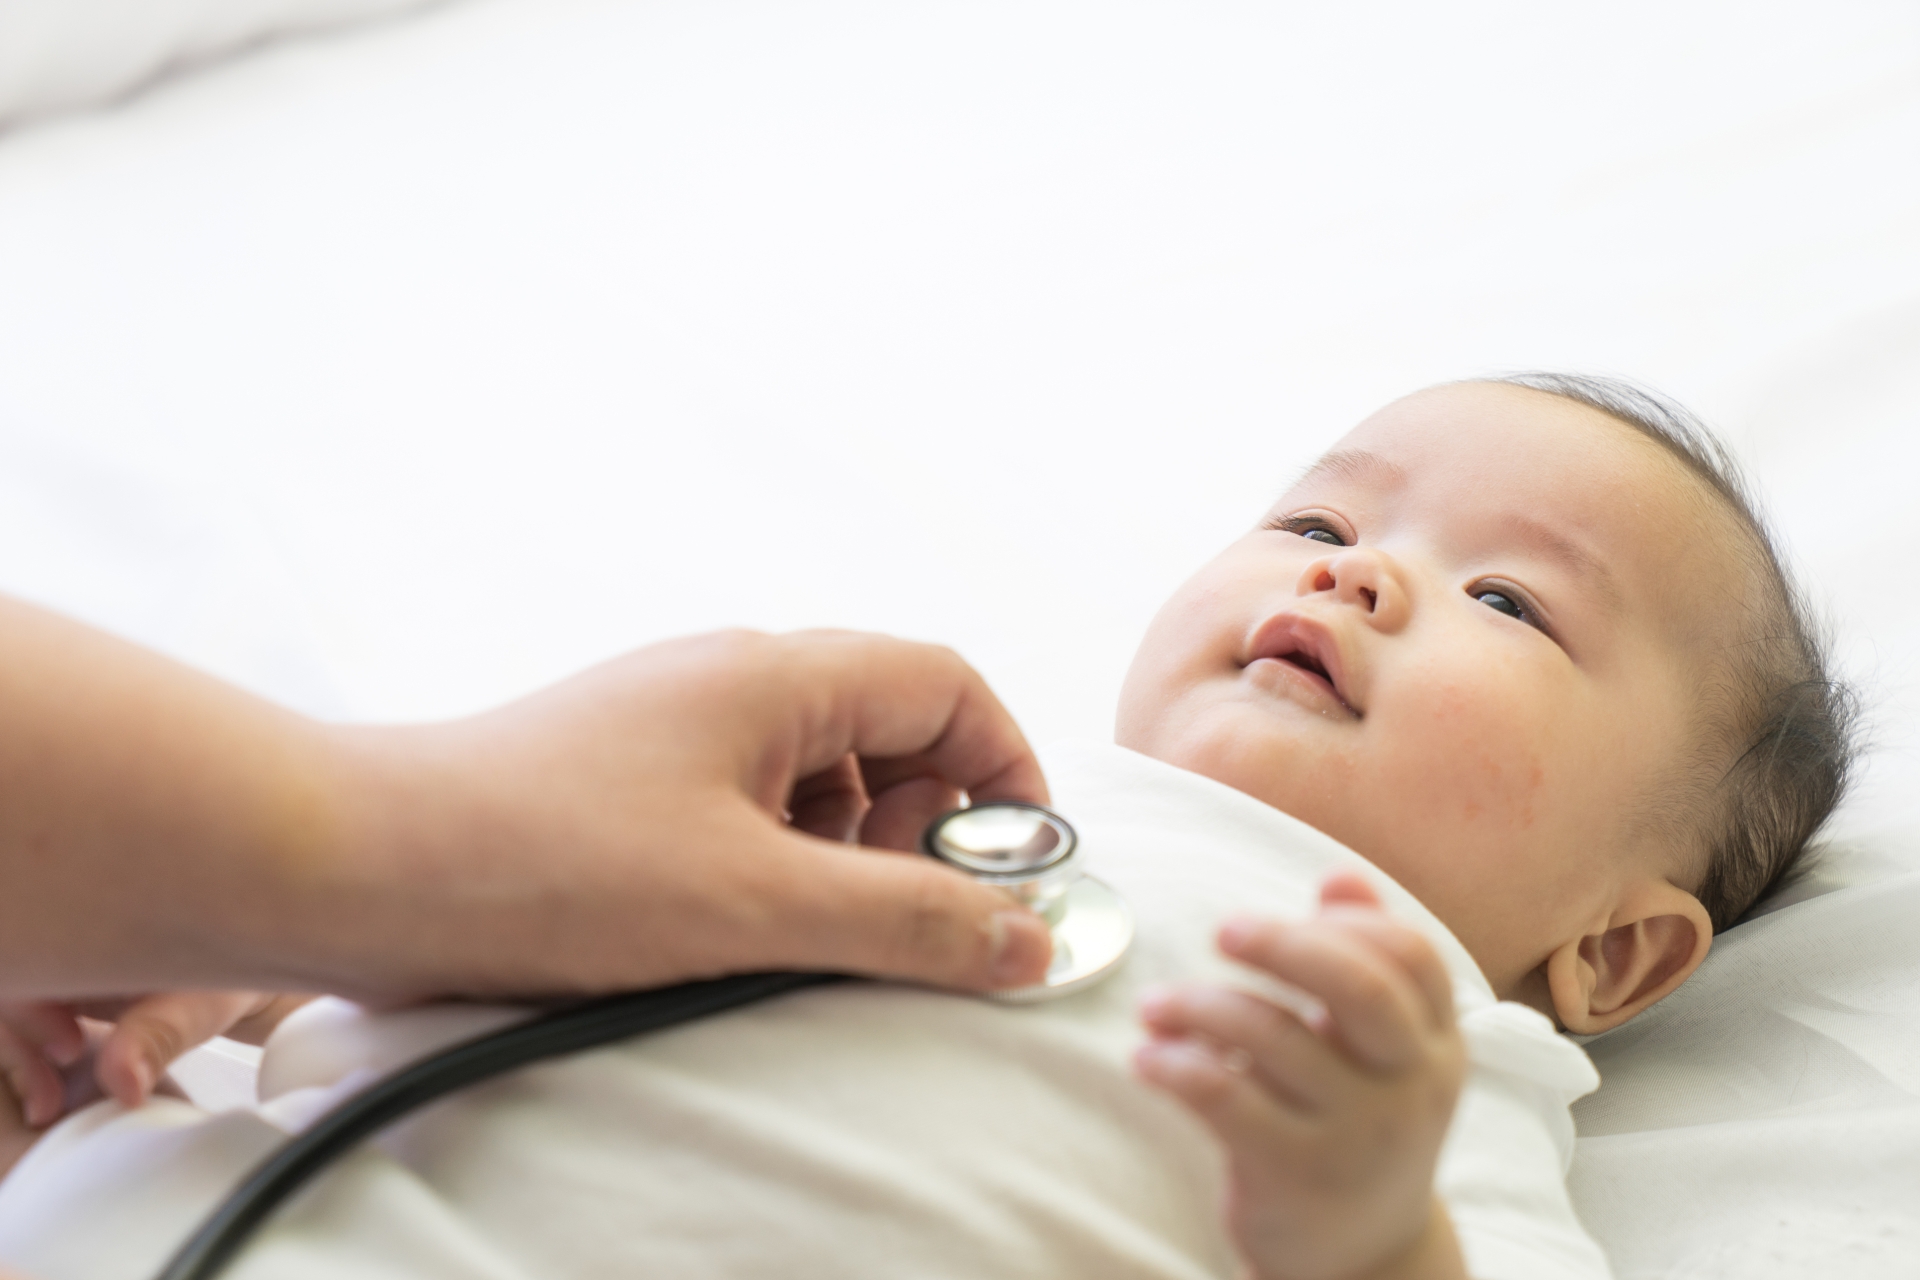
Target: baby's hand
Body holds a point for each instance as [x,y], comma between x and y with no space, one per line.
[1332,1126]
[39,1038]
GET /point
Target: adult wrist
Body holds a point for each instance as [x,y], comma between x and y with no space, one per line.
[291,874]
[375,899]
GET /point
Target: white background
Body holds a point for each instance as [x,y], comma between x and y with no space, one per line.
[397,372]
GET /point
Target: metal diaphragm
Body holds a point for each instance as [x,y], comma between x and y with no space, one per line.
[1033,854]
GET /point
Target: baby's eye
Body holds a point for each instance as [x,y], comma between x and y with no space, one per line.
[1512,601]
[1314,528]
[1502,602]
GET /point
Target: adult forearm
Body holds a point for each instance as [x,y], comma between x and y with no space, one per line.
[678,812]
[157,827]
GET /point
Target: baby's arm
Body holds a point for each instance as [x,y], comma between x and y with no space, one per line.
[1332,1129]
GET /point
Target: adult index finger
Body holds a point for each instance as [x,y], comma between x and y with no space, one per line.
[882,698]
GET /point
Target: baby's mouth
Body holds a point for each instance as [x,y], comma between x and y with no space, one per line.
[1307,652]
[1307,662]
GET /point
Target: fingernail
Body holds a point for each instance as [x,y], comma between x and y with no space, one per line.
[143,1077]
[1018,948]
[1155,1000]
[1238,932]
[1175,1057]
[67,1052]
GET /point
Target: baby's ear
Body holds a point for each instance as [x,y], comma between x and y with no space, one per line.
[1657,936]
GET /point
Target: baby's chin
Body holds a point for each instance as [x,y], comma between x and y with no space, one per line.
[1244,746]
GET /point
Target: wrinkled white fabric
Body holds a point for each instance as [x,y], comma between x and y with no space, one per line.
[858,1130]
[60,54]
[1776,1095]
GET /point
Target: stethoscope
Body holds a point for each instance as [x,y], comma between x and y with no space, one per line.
[1026,849]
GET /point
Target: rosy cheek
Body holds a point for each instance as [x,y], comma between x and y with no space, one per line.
[1478,750]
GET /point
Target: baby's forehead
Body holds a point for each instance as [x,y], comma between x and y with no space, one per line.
[1493,444]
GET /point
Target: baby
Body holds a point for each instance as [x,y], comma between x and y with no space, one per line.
[1526,646]
[1521,645]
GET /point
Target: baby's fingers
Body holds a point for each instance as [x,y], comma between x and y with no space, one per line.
[1375,1007]
[154,1031]
[1282,1053]
[1348,900]
[34,1081]
[1230,1103]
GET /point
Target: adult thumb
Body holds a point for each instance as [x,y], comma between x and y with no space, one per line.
[891,915]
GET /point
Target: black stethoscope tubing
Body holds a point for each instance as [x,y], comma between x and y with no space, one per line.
[571,1029]
[562,1031]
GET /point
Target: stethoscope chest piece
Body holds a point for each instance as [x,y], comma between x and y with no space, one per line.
[1034,854]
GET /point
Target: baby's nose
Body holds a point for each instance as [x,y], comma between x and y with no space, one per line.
[1361,577]
[1328,580]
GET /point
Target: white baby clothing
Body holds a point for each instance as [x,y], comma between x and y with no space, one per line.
[852,1131]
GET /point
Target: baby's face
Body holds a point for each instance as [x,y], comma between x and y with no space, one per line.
[1467,644]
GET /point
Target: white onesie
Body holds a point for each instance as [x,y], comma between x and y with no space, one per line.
[859,1130]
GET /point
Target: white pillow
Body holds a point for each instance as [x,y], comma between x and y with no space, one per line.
[1761,1121]
[60,54]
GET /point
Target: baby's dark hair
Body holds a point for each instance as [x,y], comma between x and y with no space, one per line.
[1790,721]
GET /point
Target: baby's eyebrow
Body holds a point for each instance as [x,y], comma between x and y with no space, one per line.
[1353,464]
[1551,544]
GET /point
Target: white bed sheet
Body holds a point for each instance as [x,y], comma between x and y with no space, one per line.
[64,55]
[397,373]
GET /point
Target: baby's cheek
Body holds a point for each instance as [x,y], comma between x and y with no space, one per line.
[1189,650]
[1478,754]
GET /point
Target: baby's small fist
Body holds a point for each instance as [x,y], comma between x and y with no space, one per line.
[1383,988]
[1332,1108]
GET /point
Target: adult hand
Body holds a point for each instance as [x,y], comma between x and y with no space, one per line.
[686,811]
[676,813]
